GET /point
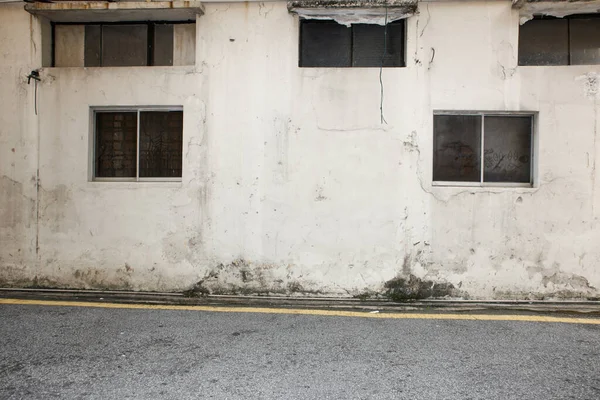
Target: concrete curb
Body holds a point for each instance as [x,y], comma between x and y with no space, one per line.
[582,308]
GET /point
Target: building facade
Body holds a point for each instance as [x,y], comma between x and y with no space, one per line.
[335,148]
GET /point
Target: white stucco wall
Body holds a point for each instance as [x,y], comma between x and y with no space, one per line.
[291,184]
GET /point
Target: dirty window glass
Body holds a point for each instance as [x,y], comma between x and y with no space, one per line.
[573,40]
[116,147]
[161,143]
[507,149]
[92,46]
[371,45]
[585,41]
[325,44]
[329,44]
[163,44]
[544,42]
[124,45]
[153,149]
[457,141]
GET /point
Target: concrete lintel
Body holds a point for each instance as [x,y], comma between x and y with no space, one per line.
[104,11]
[556,8]
[347,12]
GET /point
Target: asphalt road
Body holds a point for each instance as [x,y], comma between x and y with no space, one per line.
[94,353]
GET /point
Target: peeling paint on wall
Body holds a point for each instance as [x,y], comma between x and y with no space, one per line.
[347,12]
[528,9]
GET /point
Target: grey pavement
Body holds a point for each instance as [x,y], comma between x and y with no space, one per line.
[96,353]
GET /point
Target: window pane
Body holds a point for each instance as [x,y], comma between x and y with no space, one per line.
[457,148]
[324,44]
[69,45]
[92,51]
[368,45]
[585,41]
[544,42]
[163,44]
[507,149]
[161,144]
[116,143]
[124,45]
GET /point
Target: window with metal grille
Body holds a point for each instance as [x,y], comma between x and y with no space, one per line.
[329,44]
[138,144]
[573,40]
[482,148]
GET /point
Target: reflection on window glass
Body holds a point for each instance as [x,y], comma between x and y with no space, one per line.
[585,41]
[163,44]
[124,45]
[329,44]
[371,45]
[507,149]
[573,40]
[116,144]
[544,42]
[161,144]
[457,141]
[325,44]
[152,149]
[92,47]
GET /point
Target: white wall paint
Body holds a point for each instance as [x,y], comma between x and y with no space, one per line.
[290,170]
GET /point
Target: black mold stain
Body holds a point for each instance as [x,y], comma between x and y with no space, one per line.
[413,288]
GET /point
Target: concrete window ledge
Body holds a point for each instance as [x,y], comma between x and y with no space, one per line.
[104,11]
[556,8]
[347,12]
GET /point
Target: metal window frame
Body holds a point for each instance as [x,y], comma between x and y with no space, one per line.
[92,140]
[532,139]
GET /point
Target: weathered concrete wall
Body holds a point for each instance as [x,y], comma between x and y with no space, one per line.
[291,184]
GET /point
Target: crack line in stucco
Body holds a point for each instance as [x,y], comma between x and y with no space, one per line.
[426,22]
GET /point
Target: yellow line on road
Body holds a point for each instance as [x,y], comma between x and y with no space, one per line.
[292,311]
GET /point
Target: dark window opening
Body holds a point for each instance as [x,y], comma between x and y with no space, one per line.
[329,44]
[128,44]
[152,149]
[573,40]
[482,148]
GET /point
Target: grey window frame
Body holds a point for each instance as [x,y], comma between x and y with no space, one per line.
[92,140]
[483,114]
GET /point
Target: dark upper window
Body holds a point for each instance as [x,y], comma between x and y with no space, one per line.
[118,44]
[135,144]
[482,148]
[572,40]
[329,44]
